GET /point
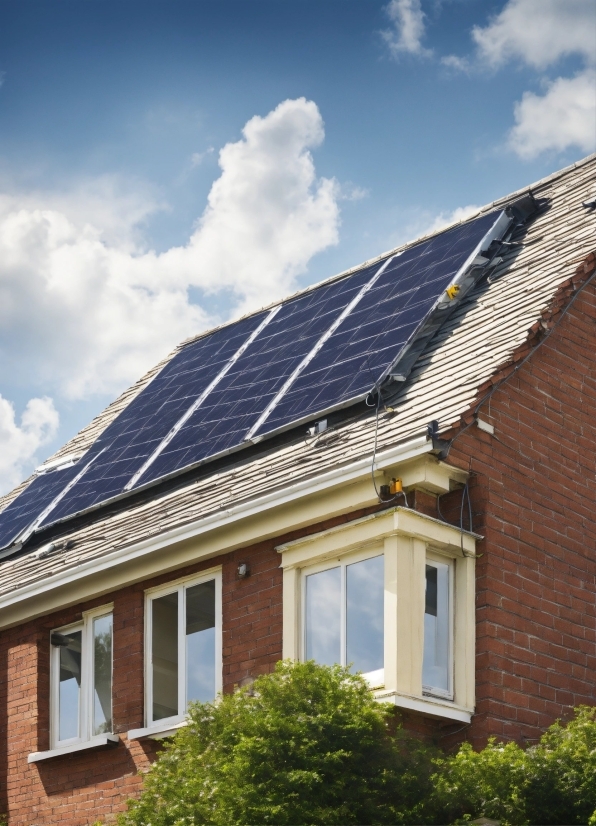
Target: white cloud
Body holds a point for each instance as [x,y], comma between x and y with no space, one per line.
[20,443]
[458,64]
[564,116]
[85,310]
[408,28]
[197,158]
[538,32]
[445,219]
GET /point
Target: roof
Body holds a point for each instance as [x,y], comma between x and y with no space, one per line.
[493,324]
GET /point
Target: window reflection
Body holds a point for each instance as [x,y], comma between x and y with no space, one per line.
[102,675]
[364,614]
[164,649]
[200,642]
[323,616]
[69,689]
[435,669]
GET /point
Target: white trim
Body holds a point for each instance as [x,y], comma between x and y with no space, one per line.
[199,401]
[433,707]
[180,586]
[156,732]
[334,478]
[310,356]
[435,560]
[105,740]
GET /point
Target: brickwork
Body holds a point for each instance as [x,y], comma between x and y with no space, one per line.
[534,498]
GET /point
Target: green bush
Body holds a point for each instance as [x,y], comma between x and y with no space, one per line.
[305,745]
[553,782]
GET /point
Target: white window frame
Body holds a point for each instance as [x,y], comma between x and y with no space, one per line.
[434,560]
[374,678]
[87,680]
[180,586]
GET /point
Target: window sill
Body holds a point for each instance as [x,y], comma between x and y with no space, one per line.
[156,732]
[106,740]
[430,706]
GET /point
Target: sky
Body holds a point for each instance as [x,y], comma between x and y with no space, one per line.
[166,166]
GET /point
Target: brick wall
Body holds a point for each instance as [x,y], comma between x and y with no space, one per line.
[534,498]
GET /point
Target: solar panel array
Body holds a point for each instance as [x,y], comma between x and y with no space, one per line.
[317,352]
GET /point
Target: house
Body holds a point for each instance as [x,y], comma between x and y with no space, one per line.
[426,514]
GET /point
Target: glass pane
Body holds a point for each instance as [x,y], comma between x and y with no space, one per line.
[435,669]
[200,642]
[164,661]
[102,675]
[69,691]
[365,589]
[323,616]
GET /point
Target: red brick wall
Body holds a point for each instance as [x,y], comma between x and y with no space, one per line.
[534,497]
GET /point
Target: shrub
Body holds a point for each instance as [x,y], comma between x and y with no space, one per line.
[553,782]
[307,744]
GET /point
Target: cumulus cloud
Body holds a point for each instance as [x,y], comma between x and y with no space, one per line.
[85,309]
[19,443]
[564,116]
[538,32]
[405,36]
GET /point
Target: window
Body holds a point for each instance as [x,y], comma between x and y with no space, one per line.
[436,667]
[392,593]
[184,646]
[81,679]
[343,615]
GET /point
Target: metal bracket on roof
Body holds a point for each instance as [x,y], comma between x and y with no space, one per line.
[432,434]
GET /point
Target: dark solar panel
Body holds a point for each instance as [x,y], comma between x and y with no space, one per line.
[370,339]
[29,504]
[139,429]
[222,422]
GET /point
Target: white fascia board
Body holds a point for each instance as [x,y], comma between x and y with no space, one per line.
[305,487]
[109,740]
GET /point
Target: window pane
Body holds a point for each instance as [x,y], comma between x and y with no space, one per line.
[69,690]
[164,650]
[435,669]
[200,642]
[102,675]
[323,616]
[364,616]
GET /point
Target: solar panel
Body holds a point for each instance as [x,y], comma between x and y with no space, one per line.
[312,354]
[131,438]
[376,333]
[220,425]
[26,508]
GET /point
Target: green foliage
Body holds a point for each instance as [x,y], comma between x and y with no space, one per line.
[553,782]
[305,745]
[308,744]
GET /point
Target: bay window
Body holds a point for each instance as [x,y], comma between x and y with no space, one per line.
[392,596]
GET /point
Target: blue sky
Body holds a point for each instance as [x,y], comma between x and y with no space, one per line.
[347,127]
